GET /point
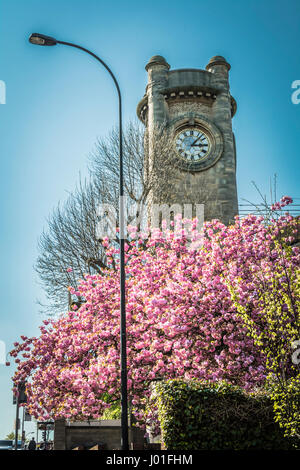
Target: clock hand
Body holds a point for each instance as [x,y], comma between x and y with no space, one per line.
[192,145]
[198,145]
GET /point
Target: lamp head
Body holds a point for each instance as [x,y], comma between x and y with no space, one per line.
[42,40]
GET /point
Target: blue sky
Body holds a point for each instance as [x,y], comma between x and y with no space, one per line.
[59,101]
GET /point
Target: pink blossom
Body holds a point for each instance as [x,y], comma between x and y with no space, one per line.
[181,321]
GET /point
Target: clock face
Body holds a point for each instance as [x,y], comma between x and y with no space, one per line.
[193,145]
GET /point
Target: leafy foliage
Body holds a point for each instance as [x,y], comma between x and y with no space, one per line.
[203,415]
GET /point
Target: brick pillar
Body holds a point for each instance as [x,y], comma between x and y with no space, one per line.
[136,438]
[59,434]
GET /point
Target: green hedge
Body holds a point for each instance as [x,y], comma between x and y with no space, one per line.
[201,415]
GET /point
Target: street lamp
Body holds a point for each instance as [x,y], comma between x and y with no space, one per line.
[42,40]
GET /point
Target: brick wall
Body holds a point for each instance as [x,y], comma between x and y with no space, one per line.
[67,436]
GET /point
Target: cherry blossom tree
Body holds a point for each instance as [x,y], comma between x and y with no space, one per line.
[266,294]
[181,321]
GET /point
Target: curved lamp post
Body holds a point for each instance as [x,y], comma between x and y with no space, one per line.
[42,40]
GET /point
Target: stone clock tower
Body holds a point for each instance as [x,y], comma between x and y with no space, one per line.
[196,108]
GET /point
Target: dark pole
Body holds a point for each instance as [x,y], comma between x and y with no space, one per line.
[48,41]
[17,420]
[23,423]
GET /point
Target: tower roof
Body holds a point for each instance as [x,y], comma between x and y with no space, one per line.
[157,59]
[218,60]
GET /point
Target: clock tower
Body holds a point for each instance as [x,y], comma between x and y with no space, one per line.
[196,108]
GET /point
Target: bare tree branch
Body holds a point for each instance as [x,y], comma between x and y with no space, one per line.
[70,240]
